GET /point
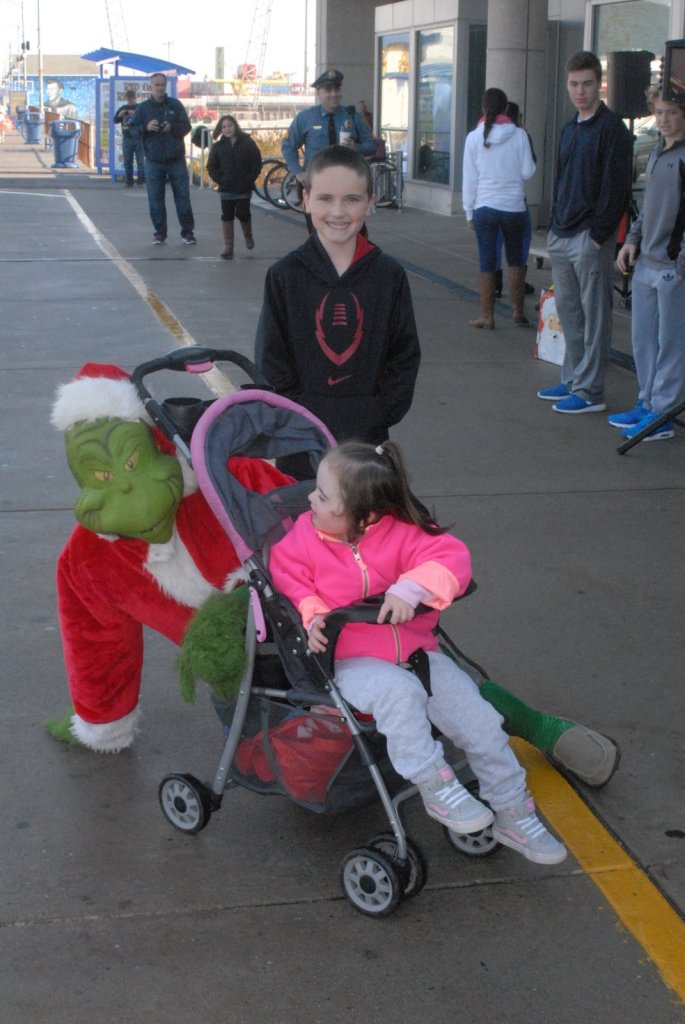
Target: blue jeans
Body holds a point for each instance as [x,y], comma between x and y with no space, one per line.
[527,236]
[488,223]
[176,173]
[130,148]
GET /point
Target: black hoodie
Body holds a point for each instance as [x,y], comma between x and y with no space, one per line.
[344,347]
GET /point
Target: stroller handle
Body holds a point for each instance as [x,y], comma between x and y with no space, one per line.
[192,359]
[195,359]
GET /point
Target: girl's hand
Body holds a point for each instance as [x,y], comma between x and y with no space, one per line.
[318,641]
[395,611]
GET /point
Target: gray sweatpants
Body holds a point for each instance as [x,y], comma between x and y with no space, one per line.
[658,303]
[582,276]
[403,712]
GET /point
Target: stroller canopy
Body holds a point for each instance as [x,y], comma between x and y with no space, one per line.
[255,424]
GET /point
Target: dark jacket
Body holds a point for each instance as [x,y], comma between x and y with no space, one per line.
[593,176]
[161,147]
[234,166]
[123,116]
[344,347]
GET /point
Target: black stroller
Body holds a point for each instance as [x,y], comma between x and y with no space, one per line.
[288,730]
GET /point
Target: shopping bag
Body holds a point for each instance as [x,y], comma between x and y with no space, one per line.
[307,750]
[549,344]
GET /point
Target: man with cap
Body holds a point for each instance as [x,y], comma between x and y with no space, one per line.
[328,123]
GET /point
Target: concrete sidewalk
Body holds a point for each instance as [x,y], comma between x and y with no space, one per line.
[110,915]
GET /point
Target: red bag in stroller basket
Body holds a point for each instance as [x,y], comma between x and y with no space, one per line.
[307,750]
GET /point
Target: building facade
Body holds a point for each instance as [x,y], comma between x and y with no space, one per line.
[422,65]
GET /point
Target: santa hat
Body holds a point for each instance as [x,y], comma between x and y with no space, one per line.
[98,391]
[105,391]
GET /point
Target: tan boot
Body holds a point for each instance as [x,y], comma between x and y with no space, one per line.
[517,290]
[486,288]
[246,225]
[227,228]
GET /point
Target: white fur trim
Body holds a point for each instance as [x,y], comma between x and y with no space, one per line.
[234,578]
[96,398]
[107,737]
[176,573]
[189,478]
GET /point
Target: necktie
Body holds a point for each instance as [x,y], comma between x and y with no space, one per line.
[331,130]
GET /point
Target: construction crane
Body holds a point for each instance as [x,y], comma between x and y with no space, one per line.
[261,19]
[118,36]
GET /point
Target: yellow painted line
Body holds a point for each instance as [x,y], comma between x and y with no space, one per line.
[217,382]
[640,906]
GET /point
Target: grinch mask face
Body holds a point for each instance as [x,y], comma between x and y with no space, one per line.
[129,487]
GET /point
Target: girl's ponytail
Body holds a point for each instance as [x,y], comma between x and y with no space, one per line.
[373,483]
[494,104]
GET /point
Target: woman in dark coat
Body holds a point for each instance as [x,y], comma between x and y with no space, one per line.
[234,164]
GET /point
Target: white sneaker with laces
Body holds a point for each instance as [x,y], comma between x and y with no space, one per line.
[446,800]
[520,829]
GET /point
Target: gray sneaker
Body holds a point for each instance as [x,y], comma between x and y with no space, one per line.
[446,800]
[519,828]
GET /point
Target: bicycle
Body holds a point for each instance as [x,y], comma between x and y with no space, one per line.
[291,190]
[273,184]
[388,181]
[268,164]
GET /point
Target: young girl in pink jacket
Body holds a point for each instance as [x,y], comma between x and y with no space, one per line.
[367,534]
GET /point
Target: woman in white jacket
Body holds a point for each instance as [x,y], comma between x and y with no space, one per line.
[497,161]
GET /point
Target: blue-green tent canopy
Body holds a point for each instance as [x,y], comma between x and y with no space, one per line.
[137,62]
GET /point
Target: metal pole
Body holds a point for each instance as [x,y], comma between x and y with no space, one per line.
[306,24]
[40,68]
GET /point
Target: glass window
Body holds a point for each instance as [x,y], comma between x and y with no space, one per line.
[631,25]
[394,97]
[434,105]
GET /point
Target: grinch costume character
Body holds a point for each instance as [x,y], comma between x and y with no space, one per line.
[148,551]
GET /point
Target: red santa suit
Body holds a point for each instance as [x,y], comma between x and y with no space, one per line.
[109,587]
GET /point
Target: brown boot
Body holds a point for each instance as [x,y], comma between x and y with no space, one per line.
[246,225]
[227,228]
[517,286]
[486,288]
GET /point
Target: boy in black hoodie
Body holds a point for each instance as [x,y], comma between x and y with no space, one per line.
[337,332]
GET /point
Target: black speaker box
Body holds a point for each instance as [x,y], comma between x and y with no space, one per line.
[628,79]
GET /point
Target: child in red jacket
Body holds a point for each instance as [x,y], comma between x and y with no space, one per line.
[367,533]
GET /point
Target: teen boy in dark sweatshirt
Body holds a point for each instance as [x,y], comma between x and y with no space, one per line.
[591,194]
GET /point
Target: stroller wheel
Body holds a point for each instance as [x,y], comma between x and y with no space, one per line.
[185,802]
[474,844]
[370,882]
[414,873]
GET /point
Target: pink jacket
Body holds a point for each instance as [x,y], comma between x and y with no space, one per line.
[319,573]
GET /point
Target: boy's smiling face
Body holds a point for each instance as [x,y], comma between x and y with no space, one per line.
[338,202]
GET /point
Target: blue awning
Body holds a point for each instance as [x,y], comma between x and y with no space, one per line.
[137,62]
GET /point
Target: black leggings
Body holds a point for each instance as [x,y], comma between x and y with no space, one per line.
[231,208]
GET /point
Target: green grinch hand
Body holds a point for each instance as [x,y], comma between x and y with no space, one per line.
[213,648]
[60,729]
[128,487]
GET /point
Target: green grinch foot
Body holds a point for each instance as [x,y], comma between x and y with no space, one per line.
[586,754]
[60,729]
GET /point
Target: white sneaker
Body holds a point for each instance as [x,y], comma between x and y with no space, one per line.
[446,800]
[519,828]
